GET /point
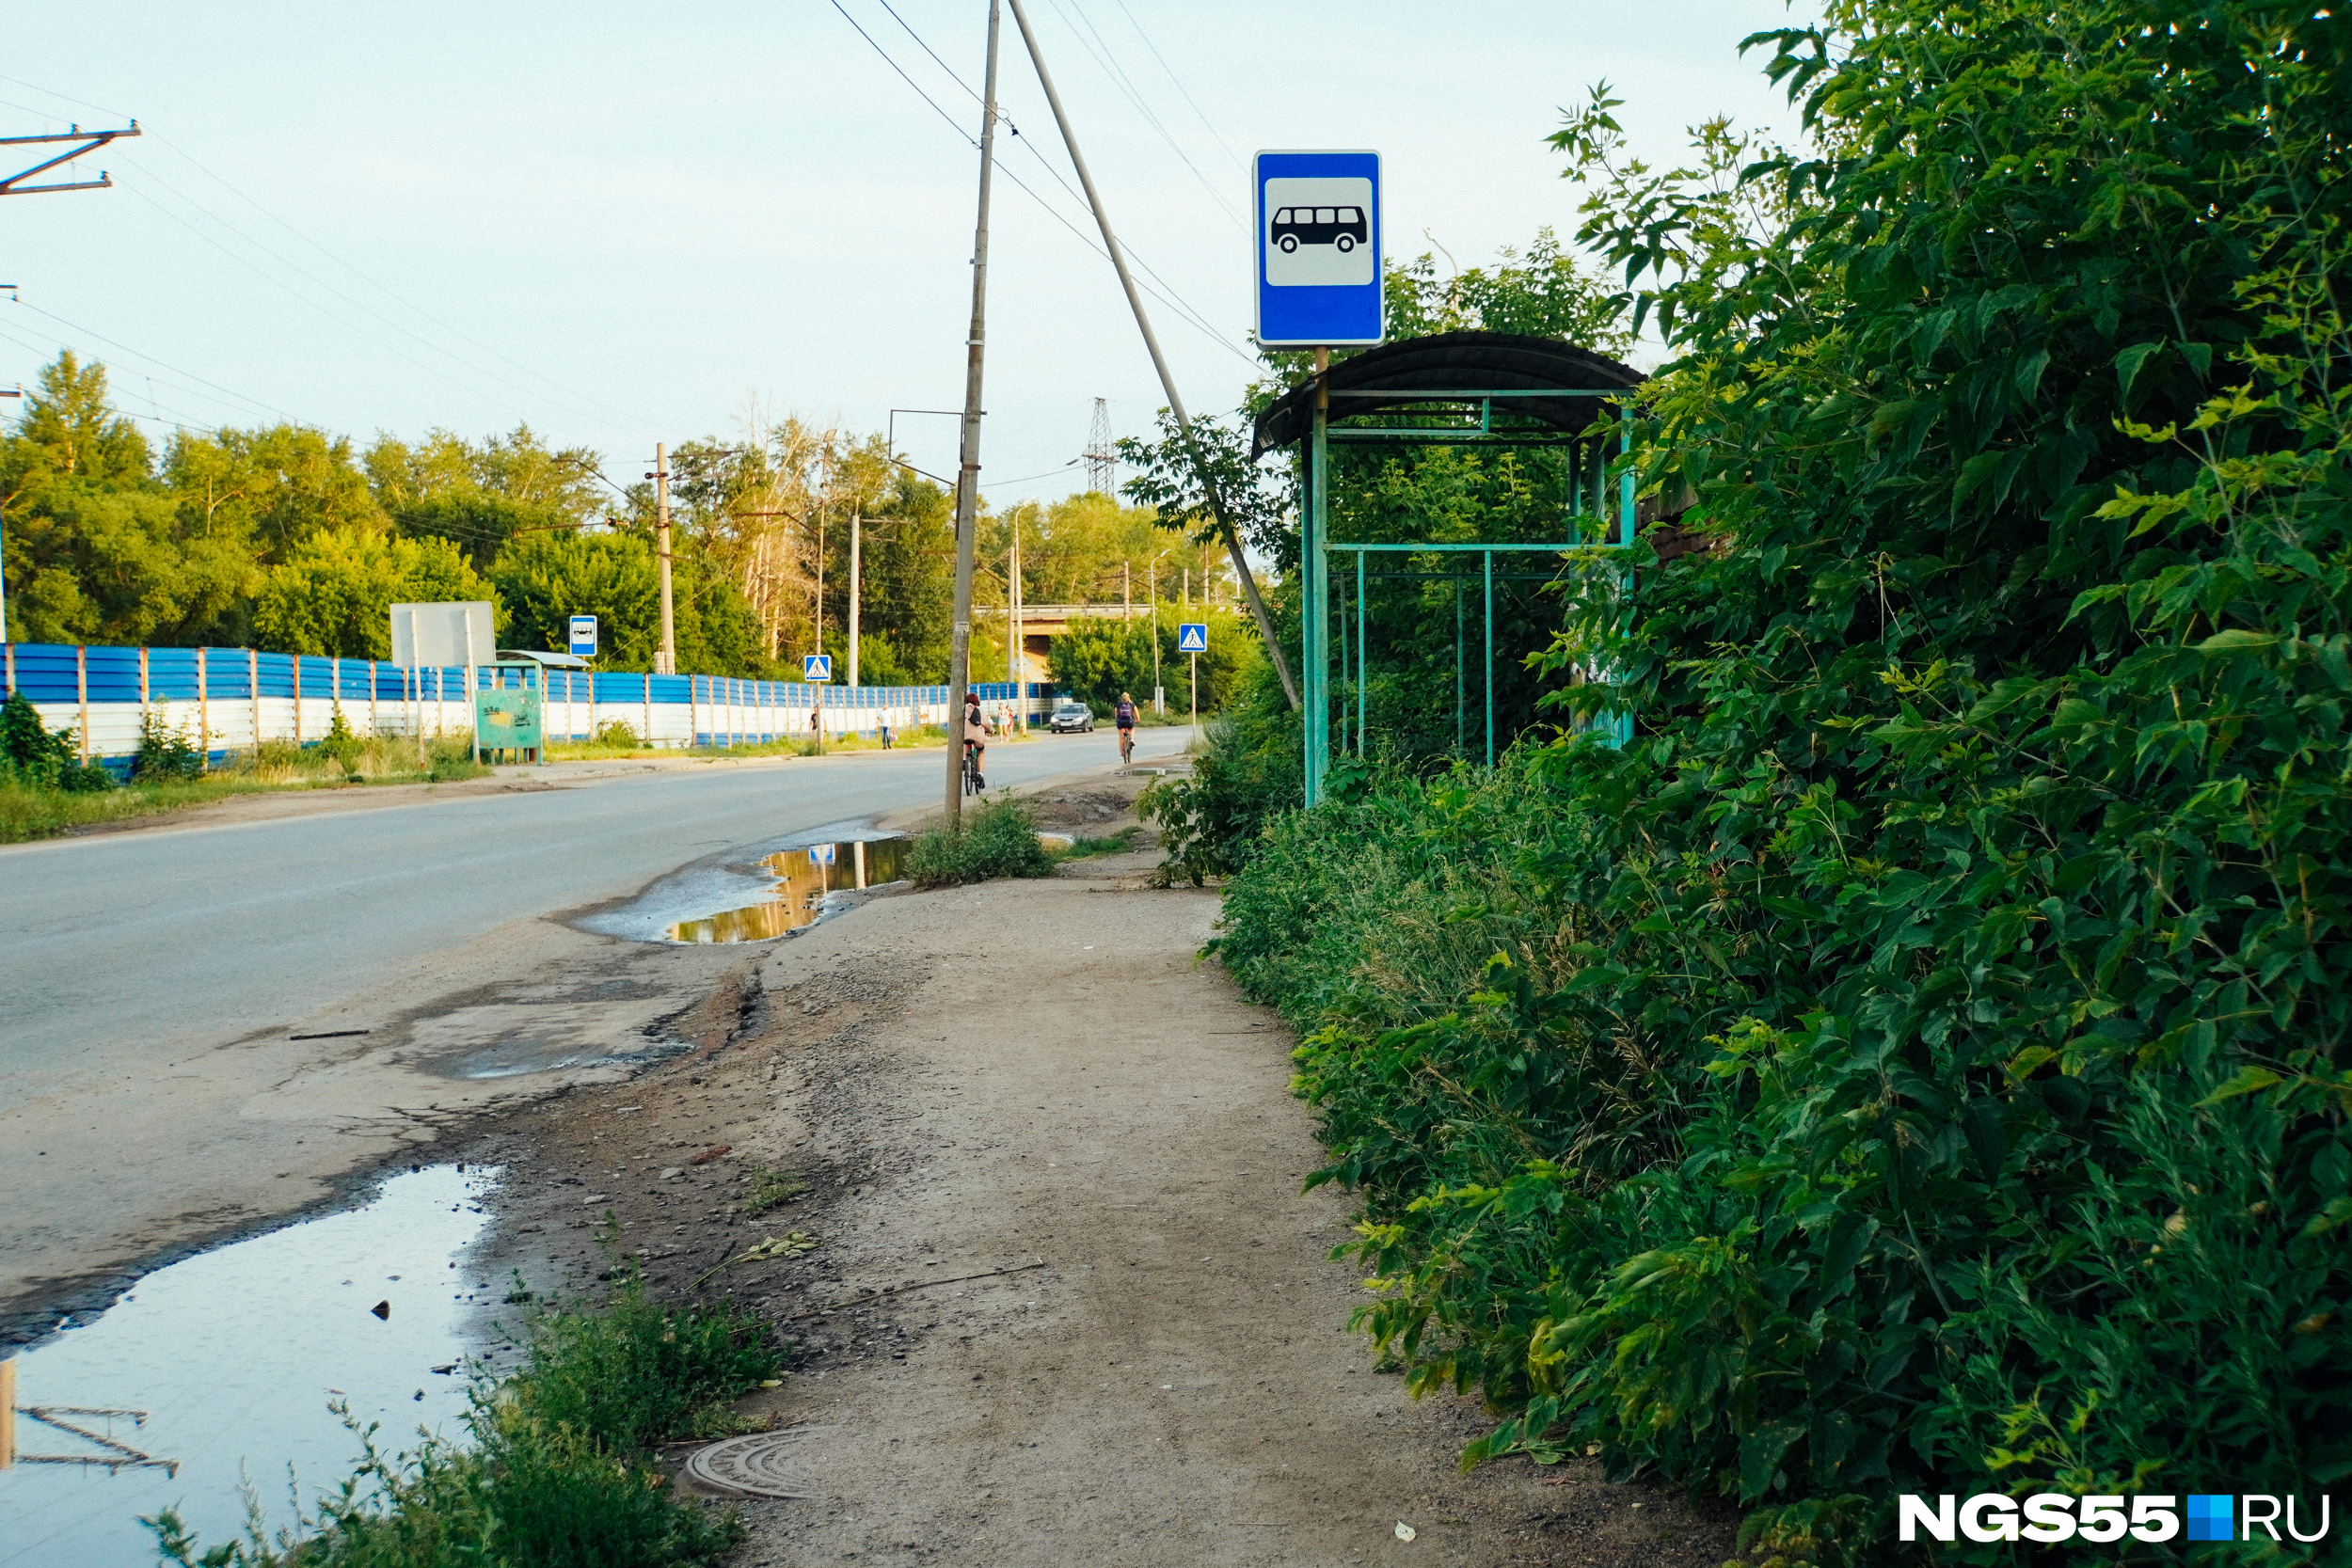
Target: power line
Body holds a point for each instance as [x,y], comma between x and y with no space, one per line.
[175,370]
[356,304]
[1166,294]
[1107,58]
[1206,123]
[580,404]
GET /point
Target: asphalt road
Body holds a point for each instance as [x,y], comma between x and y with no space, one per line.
[153,981]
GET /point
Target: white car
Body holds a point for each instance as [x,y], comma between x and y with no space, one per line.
[1070,717]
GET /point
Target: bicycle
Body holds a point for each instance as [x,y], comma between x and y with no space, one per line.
[972,783]
[1126,747]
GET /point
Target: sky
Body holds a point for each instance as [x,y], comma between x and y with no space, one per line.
[631,224]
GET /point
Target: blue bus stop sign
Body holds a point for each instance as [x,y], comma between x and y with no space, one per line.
[583,636]
[816,668]
[1192,637]
[1319,249]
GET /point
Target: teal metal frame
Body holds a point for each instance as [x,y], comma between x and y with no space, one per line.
[1316,548]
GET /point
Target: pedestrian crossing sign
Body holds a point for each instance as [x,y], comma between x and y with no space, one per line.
[816,668]
[1192,637]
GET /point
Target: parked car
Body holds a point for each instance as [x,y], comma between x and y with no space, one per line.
[1071,717]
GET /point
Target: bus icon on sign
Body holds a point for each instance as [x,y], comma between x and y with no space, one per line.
[1343,228]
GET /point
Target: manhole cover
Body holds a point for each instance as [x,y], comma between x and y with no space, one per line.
[760,1465]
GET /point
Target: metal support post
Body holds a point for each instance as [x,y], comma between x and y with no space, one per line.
[1489,558]
[1362,701]
[1313,625]
[1460,694]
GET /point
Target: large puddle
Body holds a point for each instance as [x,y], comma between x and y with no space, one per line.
[807,879]
[233,1356]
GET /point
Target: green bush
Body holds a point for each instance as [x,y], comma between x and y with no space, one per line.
[615,732]
[997,839]
[1915,1063]
[165,753]
[556,1475]
[40,758]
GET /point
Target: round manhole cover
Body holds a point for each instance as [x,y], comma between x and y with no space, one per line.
[758,1464]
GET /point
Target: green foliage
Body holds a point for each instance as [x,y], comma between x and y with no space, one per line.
[1915,1063]
[998,839]
[167,753]
[618,733]
[333,594]
[1250,774]
[1099,658]
[769,1188]
[556,1475]
[40,758]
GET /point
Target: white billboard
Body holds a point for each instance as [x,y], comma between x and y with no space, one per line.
[454,633]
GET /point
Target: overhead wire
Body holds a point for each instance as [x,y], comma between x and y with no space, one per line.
[1166,293]
[125,348]
[1105,57]
[1206,123]
[582,404]
[1174,300]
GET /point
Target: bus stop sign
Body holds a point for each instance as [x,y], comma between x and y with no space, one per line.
[583,636]
[1318,247]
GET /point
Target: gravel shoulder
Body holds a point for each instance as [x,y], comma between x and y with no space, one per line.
[1036,1083]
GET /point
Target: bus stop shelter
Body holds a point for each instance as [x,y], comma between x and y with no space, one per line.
[1457,390]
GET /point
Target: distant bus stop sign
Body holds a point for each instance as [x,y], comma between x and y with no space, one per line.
[816,668]
[1319,249]
[584,635]
[1192,637]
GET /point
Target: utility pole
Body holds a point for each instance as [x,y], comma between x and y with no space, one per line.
[665,662]
[1159,692]
[856,522]
[1126,593]
[968,474]
[4,585]
[1159,362]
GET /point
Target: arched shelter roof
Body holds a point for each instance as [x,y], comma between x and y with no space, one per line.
[1416,369]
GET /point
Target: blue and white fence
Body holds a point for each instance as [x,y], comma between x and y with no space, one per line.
[237,698]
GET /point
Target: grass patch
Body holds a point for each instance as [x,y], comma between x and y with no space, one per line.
[773,1187]
[997,839]
[556,1474]
[1118,844]
[31,809]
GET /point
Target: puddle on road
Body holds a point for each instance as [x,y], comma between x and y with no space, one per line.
[233,1356]
[808,880]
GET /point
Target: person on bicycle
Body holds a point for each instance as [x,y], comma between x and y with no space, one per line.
[976,735]
[1127,720]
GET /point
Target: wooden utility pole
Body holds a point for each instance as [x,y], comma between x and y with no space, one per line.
[1159,362]
[968,475]
[665,662]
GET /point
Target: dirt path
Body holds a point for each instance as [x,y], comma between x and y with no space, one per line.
[1040,1073]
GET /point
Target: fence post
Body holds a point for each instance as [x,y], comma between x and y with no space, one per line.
[693,725]
[298,672]
[81,695]
[142,693]
[648,709]
[253,686]
[203,713]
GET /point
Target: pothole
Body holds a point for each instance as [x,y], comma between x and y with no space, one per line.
[759,894]
[220,1369]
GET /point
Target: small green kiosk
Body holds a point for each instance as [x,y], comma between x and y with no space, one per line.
[510,704]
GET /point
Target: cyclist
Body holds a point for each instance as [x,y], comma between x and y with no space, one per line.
[1126,718]
[976,735]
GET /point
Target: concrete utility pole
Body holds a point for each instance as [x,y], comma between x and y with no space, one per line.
[665,662]
[1159,362]
[968,475]
[856,522]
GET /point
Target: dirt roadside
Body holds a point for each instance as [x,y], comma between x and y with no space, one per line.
[1035,1083]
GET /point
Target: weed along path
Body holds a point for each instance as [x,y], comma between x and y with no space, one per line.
[1035,1084]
